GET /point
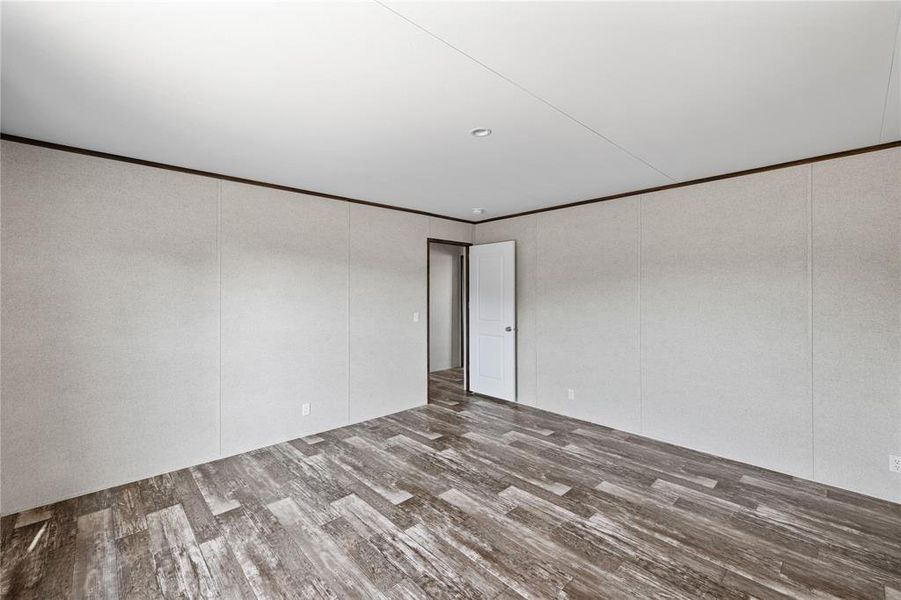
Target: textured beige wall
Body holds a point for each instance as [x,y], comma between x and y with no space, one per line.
[587,313]
[110,334]
[770,317]
[857,321]
[387,285]
[284,315]
[111,301]
[111,295]
[724,323]
[452,231]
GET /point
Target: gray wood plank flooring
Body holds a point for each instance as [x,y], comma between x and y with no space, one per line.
[463,498]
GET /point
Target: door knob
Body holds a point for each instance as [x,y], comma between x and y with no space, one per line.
[508,328]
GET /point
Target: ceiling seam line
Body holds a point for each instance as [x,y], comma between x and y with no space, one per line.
[526,90]
[888,85]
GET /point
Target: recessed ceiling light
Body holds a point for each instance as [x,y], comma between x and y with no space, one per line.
[478,211]
[480,132]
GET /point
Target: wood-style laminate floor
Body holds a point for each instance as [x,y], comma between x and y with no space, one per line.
[463,498]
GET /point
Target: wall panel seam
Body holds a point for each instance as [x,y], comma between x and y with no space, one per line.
[219,283]
[640,316]
[536,311]
[347,325]
[813,455]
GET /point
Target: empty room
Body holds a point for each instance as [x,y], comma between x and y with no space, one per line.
[434,299]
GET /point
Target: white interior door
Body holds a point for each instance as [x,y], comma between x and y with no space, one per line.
[492,320]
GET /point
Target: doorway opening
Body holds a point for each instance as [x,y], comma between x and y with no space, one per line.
[447,317]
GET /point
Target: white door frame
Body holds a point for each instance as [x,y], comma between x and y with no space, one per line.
[464,283]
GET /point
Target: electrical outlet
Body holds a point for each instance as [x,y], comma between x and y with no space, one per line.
[305,409]
[570,394]
[416,317]
[894,463]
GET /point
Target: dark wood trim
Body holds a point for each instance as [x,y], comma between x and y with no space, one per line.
[448,242]
[464,300]
[275,186]
[428,315]
[465,285]
[670,186]
[428,306]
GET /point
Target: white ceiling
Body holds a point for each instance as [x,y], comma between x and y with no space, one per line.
[375,100]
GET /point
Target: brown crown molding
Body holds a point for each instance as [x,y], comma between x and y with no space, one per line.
[670,186]
[147,163]
[275,186]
